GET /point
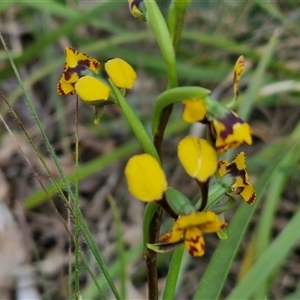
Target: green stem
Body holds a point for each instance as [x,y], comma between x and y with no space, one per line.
[159,27]
[175,95]
[175,19]
[149,213]
[165,43]
[135,124]
[151,256]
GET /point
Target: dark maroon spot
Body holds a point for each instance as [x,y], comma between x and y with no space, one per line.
[194,240]
[229,120]
[235,172]
[193,250]
[252,198]
[136,3]
[59,89]
[202,246]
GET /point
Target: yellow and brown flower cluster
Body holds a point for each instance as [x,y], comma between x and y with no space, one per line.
[82,75]
[92,80]
[147,180]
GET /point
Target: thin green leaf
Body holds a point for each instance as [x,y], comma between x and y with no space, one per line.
[173,273]
[120,246]
[175,19]
[257,79]
[266,264]
[162,36]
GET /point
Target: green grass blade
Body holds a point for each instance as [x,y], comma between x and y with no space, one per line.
[269,261]
[120,246]
[173,273]
[257,79]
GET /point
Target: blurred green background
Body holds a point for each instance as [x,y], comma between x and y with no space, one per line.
[215,34]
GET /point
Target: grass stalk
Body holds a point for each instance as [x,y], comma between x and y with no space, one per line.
[120,246]
[76,206]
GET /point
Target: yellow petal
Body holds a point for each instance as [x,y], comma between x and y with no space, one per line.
[237,170]
[213,225]
[172,237]
[194,110]
[240,160]
[193,219]
[120,72]
[198,158]
[146,179]
[222,167]
[239,181]
[194,242]
[74,57]
[64,88]
[89,88]
[248,194]
[231,132]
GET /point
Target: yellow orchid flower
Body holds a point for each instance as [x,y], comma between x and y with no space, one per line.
[190,227]
[89,88]
[228,129]
[76,63]
[237,169]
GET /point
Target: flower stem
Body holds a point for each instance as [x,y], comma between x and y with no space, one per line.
[165,43]
[150,256]
[134,122]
